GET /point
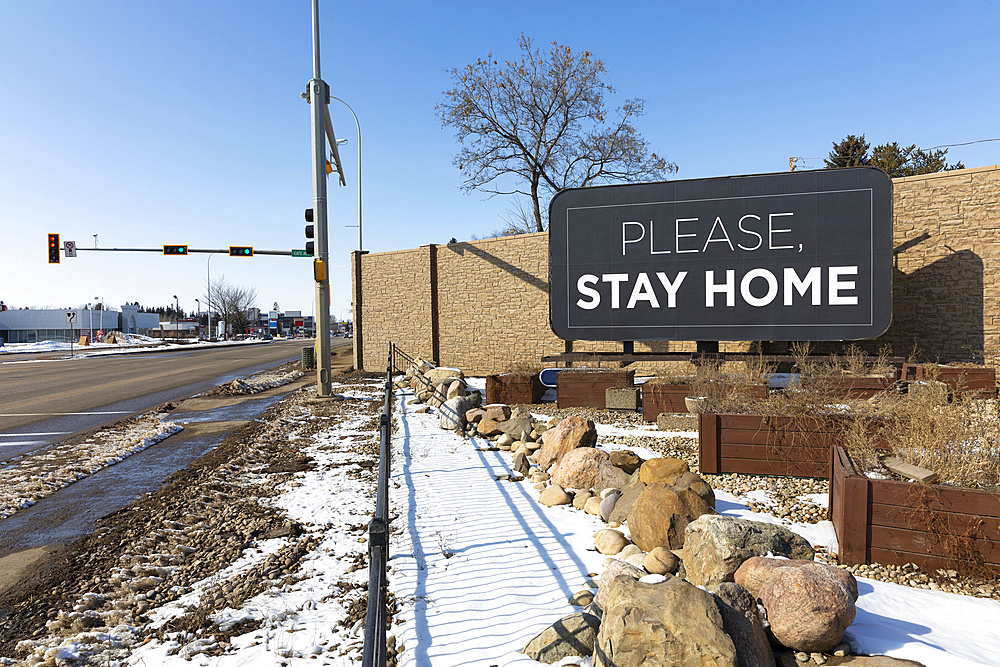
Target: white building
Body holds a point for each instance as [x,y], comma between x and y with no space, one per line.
[33,325]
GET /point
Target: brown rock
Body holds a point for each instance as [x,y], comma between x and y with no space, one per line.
[662,470]
[690,480]
[553,494]
[660,515]
[610,542]
[626,459]
[671,623]
[610,476]
[754,573]
[624,504]
[474,415]
[488,427]
[580,468]
[787,659]
[520,412]
[572,432]
[741,621]
[661,560]
[808,607]
[496,412]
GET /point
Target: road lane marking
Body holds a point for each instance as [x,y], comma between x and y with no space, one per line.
[22,442]
[22,435]
[59,414]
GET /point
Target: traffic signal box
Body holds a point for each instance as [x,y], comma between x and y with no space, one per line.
[54,248]
[175,250]
[310,245]
[240,251]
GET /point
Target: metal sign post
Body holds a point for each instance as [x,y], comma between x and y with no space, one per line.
[70,318]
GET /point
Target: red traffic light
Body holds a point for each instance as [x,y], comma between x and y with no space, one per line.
[53,248]
[240,251]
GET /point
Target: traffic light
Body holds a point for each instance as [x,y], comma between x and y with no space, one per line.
[240,251]
[309,216]
[54,248]
[310,246]
[175,250]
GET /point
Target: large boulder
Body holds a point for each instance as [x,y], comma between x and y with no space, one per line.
[715,546]
[570,636]
[580,468]
[624,505]
[660,515]
[570,433]
[754,573]
[452,412]
[655,625]
[741,621]
[610,476]
[436,376]
[808,607]
[614,570]
[662,469]
[690,480]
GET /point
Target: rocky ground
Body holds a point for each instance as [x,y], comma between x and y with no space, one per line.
[208,541]
[162,573]
[790,498]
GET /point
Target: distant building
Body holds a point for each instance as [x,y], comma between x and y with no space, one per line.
[32,326]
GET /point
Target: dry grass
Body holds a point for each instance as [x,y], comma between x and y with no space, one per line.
[958,440]
[854,362]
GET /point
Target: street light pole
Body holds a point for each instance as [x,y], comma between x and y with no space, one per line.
[198,301]
[319,96]
[356,122]
[209,305]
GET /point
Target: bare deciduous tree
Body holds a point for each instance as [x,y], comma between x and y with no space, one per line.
[232,303]
[543,120]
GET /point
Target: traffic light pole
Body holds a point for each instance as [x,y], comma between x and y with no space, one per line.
[319,95]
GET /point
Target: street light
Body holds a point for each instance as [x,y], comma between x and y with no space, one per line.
[359,164]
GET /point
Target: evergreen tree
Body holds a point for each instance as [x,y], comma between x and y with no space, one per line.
[850,152]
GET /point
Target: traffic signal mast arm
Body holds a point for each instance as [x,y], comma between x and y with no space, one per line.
[223,251]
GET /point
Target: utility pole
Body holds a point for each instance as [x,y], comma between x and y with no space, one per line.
[319,97]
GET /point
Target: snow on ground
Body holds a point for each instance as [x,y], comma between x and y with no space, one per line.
[28,478]
[136,344]
[480,566]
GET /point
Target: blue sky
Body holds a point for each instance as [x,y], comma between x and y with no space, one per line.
[181,122]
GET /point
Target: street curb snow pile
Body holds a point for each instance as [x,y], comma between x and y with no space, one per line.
[30,478]
[256,383]
[680,580]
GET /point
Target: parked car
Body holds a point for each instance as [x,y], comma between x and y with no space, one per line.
[267,337]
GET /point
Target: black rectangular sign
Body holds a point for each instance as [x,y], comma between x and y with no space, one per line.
[789,256]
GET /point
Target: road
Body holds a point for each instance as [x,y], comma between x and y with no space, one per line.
[43,401]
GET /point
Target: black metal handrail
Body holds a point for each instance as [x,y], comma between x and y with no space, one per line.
[378,538]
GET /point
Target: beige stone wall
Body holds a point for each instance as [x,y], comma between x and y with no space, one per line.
[946,297]
[395,304]
[492,295]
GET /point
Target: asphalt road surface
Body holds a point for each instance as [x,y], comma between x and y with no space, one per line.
[44,401]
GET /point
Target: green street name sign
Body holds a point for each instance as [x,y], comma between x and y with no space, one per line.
[300,253]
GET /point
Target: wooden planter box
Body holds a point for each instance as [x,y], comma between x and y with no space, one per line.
[934,526]
[852,386]
[976,380]
[657,398]
[586,389]
[514,388]
[767,445]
